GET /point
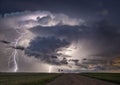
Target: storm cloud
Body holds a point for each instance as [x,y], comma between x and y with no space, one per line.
[57,39]
[102,36]
[103,39]
[45,49]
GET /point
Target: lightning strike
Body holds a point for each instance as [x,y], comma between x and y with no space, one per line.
[13,57]
[50,69]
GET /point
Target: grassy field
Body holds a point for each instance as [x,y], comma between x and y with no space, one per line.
[43,78]
[26,78]
[111,77]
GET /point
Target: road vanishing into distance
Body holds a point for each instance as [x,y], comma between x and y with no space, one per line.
[75,79]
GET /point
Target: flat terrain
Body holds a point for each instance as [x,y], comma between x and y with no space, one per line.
[26,78]
[110,77]
[59,79]
[75,79]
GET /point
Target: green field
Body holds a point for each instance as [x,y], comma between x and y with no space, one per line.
[26,78]
[43,78]
[111,77]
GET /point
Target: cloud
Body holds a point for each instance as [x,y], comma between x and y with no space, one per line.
[101,39]
[49,37]
[102,36]
[13,24]
[18,47]
[45,49]
[71,33]
[104,12]
[50,20]
[4,41]
[30,19]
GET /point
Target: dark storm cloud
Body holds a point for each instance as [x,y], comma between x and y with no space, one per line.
[97,39]
[57,6]
[95,61]
[44,20]
[103,36]
[71,33]
[74,60]
[45,49]
[107,38]
[21,22]
[18,48]
[4,41]
[80,8]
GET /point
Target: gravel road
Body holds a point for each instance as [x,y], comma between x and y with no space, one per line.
[74,79]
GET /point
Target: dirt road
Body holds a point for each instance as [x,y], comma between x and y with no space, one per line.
[73,79]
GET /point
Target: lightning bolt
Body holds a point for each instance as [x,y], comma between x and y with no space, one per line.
[50,69]
[12,63]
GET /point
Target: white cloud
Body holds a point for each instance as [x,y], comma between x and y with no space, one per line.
[30,19]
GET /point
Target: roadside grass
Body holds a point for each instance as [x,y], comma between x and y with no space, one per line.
[26,78]
[110,77]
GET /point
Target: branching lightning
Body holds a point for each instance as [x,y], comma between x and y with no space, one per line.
[13,58]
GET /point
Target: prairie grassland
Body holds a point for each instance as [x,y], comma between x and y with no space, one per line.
[111,77]
[26,78]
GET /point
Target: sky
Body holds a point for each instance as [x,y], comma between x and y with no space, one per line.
[59,36]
